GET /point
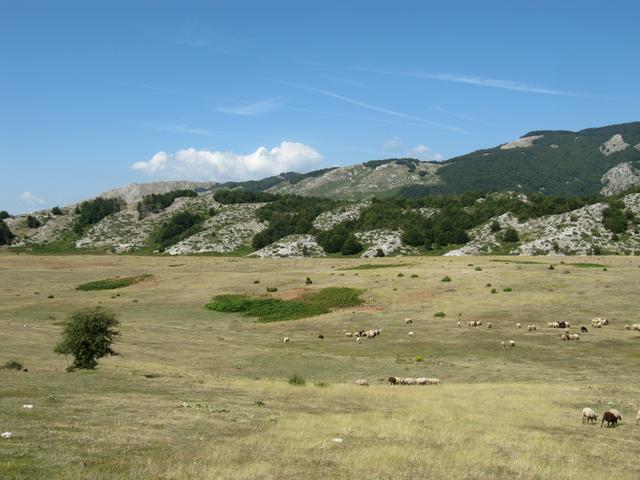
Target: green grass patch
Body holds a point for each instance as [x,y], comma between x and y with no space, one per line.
[372,266]
[275,309]
[588,265]
[111,283]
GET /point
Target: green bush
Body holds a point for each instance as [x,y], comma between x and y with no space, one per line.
[493,290]
[33,222]
[440,314]
[507,289]
[510,235]
[88,336]
[111,283]
[379,253]
[5,234]
[446,278]
[296,379]
[56,211]
[495,226]
[551,267]
[156,202]
[308,281]
[4,214]
[419,358]
[272,289]
[478,269]
[351,246]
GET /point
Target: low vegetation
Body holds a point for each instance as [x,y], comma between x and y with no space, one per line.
[178,227]
[112,283]
[5,234]
[275,309]
[92,211]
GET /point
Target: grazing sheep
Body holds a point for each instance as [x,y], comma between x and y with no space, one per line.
[459,324]
[489,325]
[411,334]
[285,340]
[512,343]
[530,328]
[584,329]
[610,418]
[616,413]
[358,340]
[555,325]
[638,417]
[562,325]
[589,415]
[503,345]
[348,334]
[627,327]
[635,326]
[422,381]
[407,321]
[321,337]
[434,381]
[565,336]
[574,336]
[362,382]
[392,380]
[518,325]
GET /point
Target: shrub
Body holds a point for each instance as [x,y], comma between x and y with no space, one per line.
[401,275]
[507,289]
[510,235]
[440,314]
[4,214]
[308,281]
[13,365]
[415,275]
[5,234]
[33,222]
[493,290]
[446,278]
[419,358]
[478,269]
[495,226]
[379,253]
[305,251]
[551,267]
[88,336]
[351,246]
[488,285]
[56,211]
[256,282]
[272,289]
[321,384]
[296,379]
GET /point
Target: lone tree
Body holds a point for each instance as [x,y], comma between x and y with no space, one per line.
[88,336]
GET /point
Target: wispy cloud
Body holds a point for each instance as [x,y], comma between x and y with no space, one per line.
[31,199]
[372,107]
[253,109]
[476,80]
[392,144]
[175,128]
[390,121]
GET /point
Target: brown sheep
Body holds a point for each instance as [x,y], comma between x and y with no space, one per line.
[610,418]
[392,381]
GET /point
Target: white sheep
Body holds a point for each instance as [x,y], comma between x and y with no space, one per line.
[512,343]
[422,381]
[348,334]
[459,324]
[434,381]
[574,336]
[638,417]
[358,340]
[489,325]
[407,321]
[411,334]
[529,328]
[362,382]
[589,415]
[285,340]
[518,325]
[503,345]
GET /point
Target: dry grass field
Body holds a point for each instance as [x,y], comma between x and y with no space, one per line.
[197,394]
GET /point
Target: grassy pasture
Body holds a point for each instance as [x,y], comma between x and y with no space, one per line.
[205,394]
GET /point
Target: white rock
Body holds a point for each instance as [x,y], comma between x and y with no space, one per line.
[613,145]
[523,142]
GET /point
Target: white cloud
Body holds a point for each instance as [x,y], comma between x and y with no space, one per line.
[31,199]
[192,164]
[253,109]
[392,144]
[422,152]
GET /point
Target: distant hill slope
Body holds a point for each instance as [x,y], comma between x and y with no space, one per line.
[551,162]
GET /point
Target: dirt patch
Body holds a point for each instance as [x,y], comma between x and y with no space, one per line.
[293,294]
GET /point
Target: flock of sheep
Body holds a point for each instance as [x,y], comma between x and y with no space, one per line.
[611,416]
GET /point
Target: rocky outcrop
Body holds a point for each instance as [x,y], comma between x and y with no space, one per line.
[620,178]
[389,241]
[328,220]
[522,142]
[614,145]
[134,192]
[292,246]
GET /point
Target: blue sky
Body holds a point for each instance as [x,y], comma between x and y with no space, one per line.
[97,94]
